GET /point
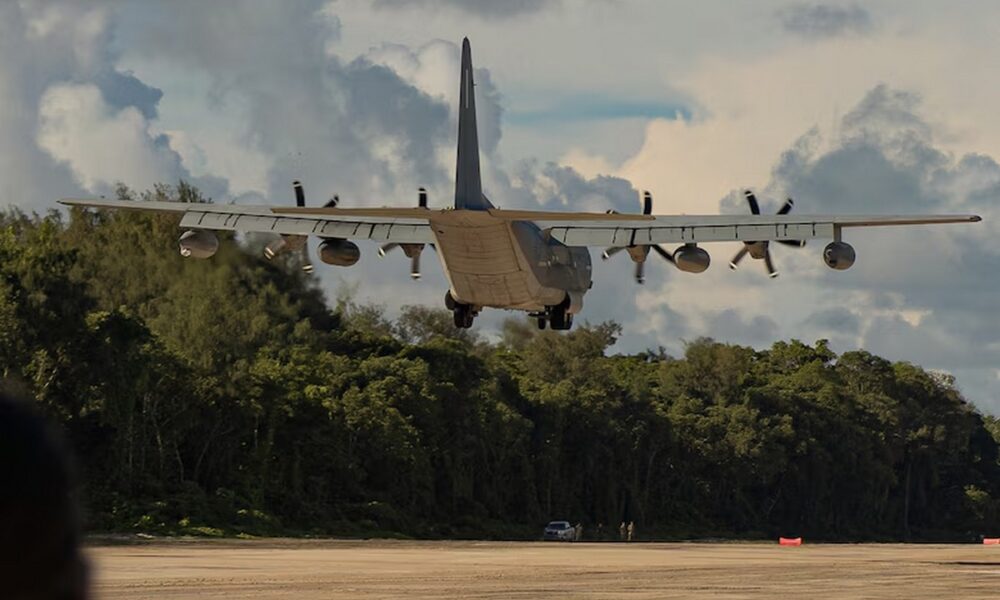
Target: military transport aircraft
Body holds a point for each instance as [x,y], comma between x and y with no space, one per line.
[533,261]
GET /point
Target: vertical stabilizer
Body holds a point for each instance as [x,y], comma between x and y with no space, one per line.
[468,185]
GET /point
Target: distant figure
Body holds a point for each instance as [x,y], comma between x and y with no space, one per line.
[621,531]
[578,532]
[631,530]
[600,531]
[40,555]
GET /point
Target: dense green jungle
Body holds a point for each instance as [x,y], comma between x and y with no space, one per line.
[230,397]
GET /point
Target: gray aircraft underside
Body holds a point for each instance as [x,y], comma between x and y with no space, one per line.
[503,258]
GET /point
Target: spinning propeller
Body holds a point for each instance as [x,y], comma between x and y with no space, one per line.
[761,250]
[296,242]
[412,251]
[639,253]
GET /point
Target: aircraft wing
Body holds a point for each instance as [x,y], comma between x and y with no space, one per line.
[728,228]
[412,225]
[402,226]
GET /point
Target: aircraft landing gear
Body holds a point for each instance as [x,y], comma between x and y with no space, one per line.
[558,318]
[542,322]
[464,314]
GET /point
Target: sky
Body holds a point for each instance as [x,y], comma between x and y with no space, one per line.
[881,107]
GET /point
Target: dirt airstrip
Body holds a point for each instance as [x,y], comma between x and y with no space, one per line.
[413,570]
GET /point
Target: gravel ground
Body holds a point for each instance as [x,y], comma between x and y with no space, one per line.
[414,570]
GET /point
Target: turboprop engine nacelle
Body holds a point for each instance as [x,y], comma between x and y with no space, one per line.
[339,252]
[691,259]
[198,244]
[838,255]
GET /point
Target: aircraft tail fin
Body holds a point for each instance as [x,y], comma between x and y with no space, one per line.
[468,185]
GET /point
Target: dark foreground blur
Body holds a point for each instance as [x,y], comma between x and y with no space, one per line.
[40,555]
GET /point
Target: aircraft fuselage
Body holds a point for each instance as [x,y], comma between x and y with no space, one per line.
[498,263]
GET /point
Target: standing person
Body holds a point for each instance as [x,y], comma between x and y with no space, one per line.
[40,556]
[621,531]
[631,530]
[578,532]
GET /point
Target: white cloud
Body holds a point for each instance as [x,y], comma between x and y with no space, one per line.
[100,144]
[356,100]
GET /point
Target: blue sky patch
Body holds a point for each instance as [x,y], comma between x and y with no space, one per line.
[596,108]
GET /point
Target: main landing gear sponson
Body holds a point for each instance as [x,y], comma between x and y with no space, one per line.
[556,316]
[464,314]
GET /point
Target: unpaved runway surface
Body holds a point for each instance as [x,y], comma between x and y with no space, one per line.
[413,570]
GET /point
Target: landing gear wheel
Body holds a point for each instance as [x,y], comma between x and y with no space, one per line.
[541,322]
[464,316]
[558,318]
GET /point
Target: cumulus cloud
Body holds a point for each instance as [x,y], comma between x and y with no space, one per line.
[918,295]
[480,8]
[272,94]
[376,125]
[100,144]
[72,121]
[825,20]
[353,126]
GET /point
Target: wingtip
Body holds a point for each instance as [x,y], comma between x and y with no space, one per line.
[976,219]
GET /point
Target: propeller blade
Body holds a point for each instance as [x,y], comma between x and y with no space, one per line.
[274,248]
[307,265]
[300,194]
[771,272]
[666,255]
[786,207]
[739,256]
[792,243]
[386,248]
[422,198]
[752,201]
[608,253]
[640,272]
[415,266]
[647,203]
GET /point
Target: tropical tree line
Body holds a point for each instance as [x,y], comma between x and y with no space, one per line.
[227,396]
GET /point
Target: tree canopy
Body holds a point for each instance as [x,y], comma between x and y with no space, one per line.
[227,396]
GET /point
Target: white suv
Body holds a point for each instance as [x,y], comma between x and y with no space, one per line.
[559,531]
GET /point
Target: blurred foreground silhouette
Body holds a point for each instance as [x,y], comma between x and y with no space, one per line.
[39,525]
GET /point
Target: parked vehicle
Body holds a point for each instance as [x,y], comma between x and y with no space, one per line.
[559,531]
